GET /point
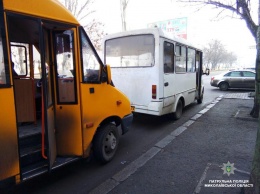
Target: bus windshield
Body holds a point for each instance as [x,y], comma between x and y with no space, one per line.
[130,51]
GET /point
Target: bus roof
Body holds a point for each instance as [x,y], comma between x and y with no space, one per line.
[156,31]
[51,9]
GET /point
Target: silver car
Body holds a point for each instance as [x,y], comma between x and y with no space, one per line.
[234,79]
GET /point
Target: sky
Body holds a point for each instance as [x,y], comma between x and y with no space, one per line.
[202,26]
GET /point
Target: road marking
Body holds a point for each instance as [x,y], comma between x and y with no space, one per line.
[242,171]
[204,111]
[188,123]
[237,113]
[195,117]
[202,178]
[165,141]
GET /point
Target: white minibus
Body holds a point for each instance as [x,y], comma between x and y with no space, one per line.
[160,74]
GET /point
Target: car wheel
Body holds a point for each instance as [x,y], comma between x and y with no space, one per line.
[223,86]
[177,114]
[105,143]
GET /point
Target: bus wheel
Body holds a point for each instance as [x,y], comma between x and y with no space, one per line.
[199,101]
[177,114]
[105,143]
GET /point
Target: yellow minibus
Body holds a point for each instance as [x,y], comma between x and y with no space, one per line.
[57,101]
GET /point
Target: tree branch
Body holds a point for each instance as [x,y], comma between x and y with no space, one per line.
[241,8]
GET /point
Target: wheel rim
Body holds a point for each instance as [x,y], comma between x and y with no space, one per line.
[224,86]
[110,142]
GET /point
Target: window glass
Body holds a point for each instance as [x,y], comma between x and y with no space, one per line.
[130,51]
[197,60]
[65,67]
[180,59]
[191,60]
[235,74]
[91,66]
[20,58]
[3,68]
[21,63]
[37,63]
[168,58]
[47,69]
[228,74]
[248,74]
[178,50]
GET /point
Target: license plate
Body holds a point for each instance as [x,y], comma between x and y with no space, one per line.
[132,108]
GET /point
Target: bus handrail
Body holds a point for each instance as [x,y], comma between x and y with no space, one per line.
[43,131]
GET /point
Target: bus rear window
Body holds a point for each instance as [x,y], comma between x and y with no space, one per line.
[130,51]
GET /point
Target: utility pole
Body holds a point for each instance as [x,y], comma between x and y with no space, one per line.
[123,5]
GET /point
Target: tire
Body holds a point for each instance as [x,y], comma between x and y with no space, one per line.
[223,86]
[177,114]
[105,143]
[199,101]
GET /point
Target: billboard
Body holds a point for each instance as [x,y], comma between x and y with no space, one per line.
[176,26]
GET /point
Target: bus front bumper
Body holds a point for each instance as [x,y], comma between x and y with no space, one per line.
[126,123]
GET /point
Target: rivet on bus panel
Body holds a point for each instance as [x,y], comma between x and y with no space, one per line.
[153,91]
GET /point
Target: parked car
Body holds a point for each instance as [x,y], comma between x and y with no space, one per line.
[234,79]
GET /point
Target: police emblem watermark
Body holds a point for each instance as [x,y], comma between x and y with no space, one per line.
[228,169]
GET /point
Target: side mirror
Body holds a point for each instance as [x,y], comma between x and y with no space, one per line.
[107,74]
[207,71]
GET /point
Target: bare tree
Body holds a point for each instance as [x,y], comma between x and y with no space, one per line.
[123,6]
[215,53]
[231,58]
[82,11]
[242,9]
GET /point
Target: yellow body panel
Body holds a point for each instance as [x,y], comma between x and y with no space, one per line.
[51,9]
[68,130]
[99,105]
[9,162]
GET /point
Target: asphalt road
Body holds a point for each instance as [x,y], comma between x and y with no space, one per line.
[145,132]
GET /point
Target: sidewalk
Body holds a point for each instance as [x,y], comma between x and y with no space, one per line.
[211,153]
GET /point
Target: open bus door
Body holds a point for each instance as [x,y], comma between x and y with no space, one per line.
[199,73]
[35,128]
[67,106]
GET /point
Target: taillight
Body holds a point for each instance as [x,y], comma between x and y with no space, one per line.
[212,78]
[153,91]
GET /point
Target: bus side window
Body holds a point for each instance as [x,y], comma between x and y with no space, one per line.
[19,55]
[191,60]
[168,58]
[180,59]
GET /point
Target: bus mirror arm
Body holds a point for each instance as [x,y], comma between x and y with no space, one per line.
[103,77]
[106,75]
